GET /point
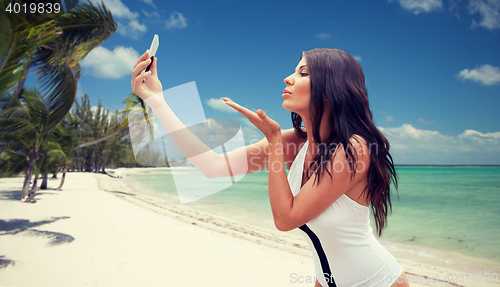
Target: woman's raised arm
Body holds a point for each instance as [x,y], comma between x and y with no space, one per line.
[244,160]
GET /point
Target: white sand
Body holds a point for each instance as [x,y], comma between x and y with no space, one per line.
[99,232]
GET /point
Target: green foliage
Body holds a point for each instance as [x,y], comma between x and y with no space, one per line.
[24,129]
[52,43]
[18,42]
[90,124]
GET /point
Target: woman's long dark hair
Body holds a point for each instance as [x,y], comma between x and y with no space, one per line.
[338,82]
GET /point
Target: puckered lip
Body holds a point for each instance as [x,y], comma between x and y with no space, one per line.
[285,91]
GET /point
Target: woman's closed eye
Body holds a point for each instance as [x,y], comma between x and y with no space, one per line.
[304,74]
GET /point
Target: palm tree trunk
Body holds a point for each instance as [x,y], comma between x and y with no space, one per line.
[65,168]
[88,163]
[93,160]
[105,162]
[20,84]
[45,179]
[33,156]
[33,188]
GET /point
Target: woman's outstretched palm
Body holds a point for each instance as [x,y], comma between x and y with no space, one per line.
[265,124]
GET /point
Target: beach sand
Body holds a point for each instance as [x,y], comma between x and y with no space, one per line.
[97,231]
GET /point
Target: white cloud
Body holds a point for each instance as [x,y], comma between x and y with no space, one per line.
[489,11]
[250,132]
[252,135]
[419,6]
[407,131]
[323,36]
[425,122]
[478,136]
[106,64]
[453,7]
[219,105]
[128,21]
[389,118]
[357,58]
[152,15]
[132,30]
[222,131]
[410,145]
[150,2]
[176,20]
[486,75]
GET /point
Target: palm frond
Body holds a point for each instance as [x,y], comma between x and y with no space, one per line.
[13,163]
[16,47]
[83,29]
[16,121]
[60,84]
[21,34]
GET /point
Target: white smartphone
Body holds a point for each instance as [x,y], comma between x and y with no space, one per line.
[152,50]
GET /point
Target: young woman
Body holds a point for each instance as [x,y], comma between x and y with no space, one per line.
[339,164]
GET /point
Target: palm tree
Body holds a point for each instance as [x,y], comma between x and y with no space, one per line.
[51,155]
[130,103]
[18,42]
[67,141]
[25,130]
[13,159]
[52,43]
[102,140]
[133,103]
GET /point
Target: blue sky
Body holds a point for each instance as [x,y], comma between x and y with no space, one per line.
[431,66]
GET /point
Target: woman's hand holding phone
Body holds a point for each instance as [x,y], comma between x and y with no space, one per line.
[146,84]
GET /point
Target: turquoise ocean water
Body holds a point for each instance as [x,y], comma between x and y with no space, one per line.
[443,208]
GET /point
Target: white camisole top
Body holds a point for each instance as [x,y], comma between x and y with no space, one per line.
[344,249]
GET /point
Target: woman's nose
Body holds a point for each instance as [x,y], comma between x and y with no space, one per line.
[288,81]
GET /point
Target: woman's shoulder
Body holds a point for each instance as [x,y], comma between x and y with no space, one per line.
[361,147]
[357,140]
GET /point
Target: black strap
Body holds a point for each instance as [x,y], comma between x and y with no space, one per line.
[321,254]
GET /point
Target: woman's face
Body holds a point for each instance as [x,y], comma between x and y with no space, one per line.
[298,89]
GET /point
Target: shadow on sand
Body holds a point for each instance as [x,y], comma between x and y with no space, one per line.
[10,195]
[25,227]
[4,262]
[15,226]
[15,195]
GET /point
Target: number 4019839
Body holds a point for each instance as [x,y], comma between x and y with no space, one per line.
[32,8]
